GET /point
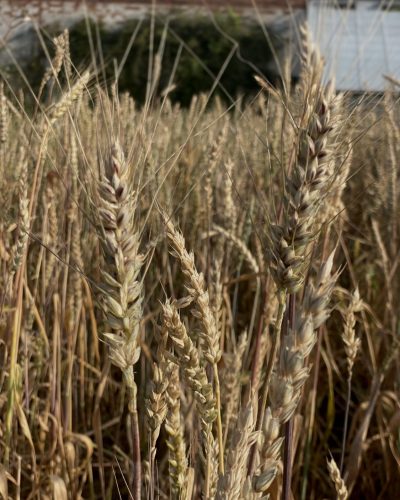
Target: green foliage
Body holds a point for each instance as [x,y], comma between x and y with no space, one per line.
[204,46]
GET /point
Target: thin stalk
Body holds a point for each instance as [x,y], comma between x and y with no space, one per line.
[288,459]
[257,352]
[208,470]
[12,380]
[346,422]
[152,463]
[137,467]
[307,455]
[219,421]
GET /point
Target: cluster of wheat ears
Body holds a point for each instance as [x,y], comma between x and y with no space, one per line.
[201,302]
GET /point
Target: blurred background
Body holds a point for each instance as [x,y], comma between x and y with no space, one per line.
[238,38]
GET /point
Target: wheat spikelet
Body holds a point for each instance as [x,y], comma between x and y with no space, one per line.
[68,99]
[67,53]
[175,441]
[270,456]
[305,186]
[156,410]
[210,333]
[231,484]
[19,247]
[121,289]
[231,385]
[156,405]
[50,200]
[292,372]
[4,118]
[351,343]
[187,357]
[196,287]
[228,207]
[56,64]
[340,486]
[74,299]
[212,164]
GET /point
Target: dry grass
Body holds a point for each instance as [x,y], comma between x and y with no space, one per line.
[178,314]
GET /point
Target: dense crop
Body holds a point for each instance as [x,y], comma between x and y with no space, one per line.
[198,302]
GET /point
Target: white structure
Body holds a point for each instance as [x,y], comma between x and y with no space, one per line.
[360,44]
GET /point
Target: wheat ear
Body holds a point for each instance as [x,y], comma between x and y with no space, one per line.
[156,404]
[187,357]
[4,119]
[121,289]
[231,484]
[292,372]
[67,100]
[23,218]
[305,187]
[336,478]
[209,334]
[176,442]
[351,346]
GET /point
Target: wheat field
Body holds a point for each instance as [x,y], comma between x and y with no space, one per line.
[198,302]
